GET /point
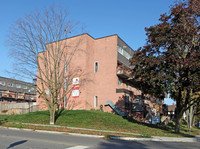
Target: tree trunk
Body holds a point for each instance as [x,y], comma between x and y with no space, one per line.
[177,126]
[52,116]
[178,114]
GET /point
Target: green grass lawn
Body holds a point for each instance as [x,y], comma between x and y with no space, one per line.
[99,120]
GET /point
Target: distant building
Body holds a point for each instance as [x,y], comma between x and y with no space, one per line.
[14,91]
[171,110]
[106,62]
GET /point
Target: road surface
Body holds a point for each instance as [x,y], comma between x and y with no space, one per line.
[18,139]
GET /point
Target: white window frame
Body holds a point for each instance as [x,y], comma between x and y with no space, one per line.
[3,83]
[10,84]
[65,101]
[95,101]
[65,84]
[66,67]
[96,67]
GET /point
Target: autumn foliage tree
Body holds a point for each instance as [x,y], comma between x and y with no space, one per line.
[170,61]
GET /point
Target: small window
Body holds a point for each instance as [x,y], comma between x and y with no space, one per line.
[18,86]
[120,82]
[96,67]
[65,101]
[65,83]
[95,101]
[127,101]
[25,87]
[3,83]
[65,67]
[10,84]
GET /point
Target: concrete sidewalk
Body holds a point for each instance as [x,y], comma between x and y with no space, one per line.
[153,138]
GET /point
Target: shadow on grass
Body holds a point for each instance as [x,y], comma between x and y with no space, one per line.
[170,127]
[3,121]
[58,114]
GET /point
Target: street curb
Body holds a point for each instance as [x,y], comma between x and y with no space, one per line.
[158,139]
[153,138]
[53,132]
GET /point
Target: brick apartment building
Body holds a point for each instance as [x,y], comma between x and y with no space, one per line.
[15,91]
[106,62]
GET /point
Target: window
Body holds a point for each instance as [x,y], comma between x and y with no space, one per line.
[120,82]
[25,87]
[65,101]
[120,50]
[3,83]
[96,67]
[95,101]
[65,67]
[10,84]
[18,86]
[127,101]
[127,55]
[123,52]
[65,83]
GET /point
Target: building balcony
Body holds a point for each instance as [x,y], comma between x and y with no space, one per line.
[123,72]
[30,98]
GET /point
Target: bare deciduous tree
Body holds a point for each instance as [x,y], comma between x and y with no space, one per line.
[40,52]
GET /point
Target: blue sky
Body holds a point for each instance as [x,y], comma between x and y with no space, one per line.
[127,18]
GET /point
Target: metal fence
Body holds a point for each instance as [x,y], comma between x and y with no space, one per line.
[17,108]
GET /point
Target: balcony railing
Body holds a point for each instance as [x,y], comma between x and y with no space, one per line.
[30,98]
[17,96]
[123,71]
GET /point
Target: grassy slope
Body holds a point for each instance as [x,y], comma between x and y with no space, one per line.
[97,120]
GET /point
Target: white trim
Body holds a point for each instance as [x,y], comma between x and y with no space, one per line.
[66,67]
[65,101]
[66,84]
[95,101]
[78,147]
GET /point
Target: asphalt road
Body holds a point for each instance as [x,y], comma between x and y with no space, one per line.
[16,139]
